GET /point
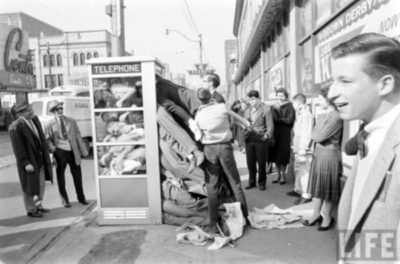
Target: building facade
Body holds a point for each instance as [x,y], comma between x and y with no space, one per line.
[287,43]
[61,60]
[230,66]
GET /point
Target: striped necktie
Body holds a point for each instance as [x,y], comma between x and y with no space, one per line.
[63,129]
[361,137]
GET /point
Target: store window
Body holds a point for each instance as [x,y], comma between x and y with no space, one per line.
[89,56]
[82,58]
[275,47]
[60,78]
[306,70]
[323,10]
[287,75]
[52,60]
[47,81]
[266,86]
[45,60]
[96,55]
[305,18]
[59,60]
[280,40]
[75,59]
[286,31]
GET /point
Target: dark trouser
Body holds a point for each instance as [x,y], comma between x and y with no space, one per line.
[63,158]
[217,156]
[256,154]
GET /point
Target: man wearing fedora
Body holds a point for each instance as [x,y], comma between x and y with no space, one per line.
[32,156]
[65,142]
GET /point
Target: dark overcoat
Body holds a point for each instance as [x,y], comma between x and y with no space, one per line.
[29,150]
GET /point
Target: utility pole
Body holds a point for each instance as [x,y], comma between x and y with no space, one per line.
[49,61]
[201,56]
[116,11]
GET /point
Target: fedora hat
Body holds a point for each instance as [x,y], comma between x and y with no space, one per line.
[53,105]
[21,106]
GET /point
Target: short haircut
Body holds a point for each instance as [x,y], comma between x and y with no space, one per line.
[300,97]
[215,79]
[383,54]
[204,95]
[253,93]
[324,93]
[282,90]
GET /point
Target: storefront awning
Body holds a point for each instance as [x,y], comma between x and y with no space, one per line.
[263,25]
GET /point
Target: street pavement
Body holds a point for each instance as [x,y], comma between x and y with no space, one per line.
[72,235]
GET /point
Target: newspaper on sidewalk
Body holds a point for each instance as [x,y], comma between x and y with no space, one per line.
[272,217]
[233,223]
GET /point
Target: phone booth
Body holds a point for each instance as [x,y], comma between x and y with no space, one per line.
[125,139]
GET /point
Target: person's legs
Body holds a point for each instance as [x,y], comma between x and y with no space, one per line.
[305,176]
[212,169]
[261,152]
[283,173]
[61,157]
[42,181]
[326,213]
[278,173]
[76,172]
[228,163]
[251,163]
[317,203]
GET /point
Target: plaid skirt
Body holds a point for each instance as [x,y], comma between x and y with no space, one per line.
[325,172]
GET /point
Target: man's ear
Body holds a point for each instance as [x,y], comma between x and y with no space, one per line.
[386,84]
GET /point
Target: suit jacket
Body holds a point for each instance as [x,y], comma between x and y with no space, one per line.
[29,149]
[379,206]
[263,126]
[218,98]
[74,136]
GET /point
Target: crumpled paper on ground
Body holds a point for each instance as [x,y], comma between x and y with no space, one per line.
[273,217]
[190,233]
[233,222]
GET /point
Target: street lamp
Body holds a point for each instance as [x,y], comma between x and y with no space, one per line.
[192,40]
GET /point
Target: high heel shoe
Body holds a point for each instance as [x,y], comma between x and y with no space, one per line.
[325,228]
[308,223]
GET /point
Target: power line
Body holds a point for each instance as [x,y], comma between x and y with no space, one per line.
[191,17]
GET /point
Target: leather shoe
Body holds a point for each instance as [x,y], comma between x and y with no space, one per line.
[67,205]
[293,194]
[308,223]
[325,228]
[262,187]
[84,202]
[43,210]
[282,182]
[301,200]
[35,214]
[249,187]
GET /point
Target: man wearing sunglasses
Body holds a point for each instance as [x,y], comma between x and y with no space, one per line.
[65,142]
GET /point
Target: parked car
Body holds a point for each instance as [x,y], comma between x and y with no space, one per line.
[75,107]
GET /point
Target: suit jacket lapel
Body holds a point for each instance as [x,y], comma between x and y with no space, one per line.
[376,175]
[258,114]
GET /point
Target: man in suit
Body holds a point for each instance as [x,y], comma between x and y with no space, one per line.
[32,155]
[65,142]
[258,137]
[366,74]
[212,81]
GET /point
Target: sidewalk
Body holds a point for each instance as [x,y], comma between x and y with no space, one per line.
[73,236]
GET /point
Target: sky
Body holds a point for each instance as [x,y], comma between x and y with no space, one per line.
[146,22]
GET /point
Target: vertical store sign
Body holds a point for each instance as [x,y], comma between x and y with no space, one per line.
[16,70]
[379,16]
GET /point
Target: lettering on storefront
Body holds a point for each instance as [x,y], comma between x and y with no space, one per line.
[117,68]
[81,105]
[353,15]
[389,23]
[15,65]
